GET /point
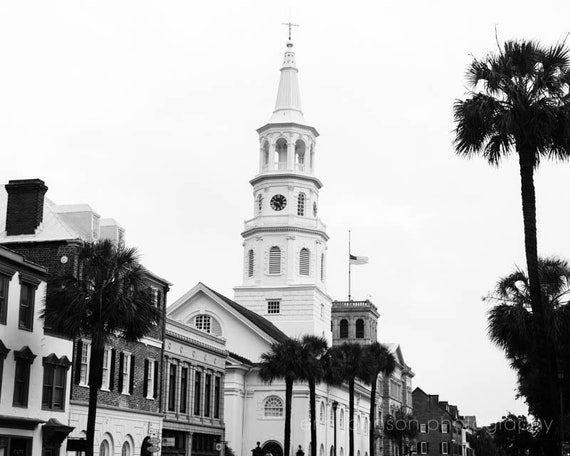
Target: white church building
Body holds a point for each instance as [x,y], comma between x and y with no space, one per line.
[283,293]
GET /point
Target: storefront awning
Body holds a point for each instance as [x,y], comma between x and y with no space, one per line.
[19,422]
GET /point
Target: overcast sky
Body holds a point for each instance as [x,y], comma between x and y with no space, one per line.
[147,111]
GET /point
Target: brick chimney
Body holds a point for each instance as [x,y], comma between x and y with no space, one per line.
[25,209]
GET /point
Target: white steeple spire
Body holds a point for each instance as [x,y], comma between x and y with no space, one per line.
[288,104]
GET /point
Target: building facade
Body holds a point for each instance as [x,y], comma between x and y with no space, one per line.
[129,401]
[440,426]
[34,365]
[193,382]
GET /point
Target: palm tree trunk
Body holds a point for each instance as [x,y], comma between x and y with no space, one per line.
[288,399]
[313,408]
[528,196]
[372,450]
[351,417]
[95,379]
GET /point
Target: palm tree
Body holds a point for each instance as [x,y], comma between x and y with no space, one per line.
[344,364]
[376,359]
[108,296]
[519,102]
[394,430]
[313,350]
[515,328]
[283,361]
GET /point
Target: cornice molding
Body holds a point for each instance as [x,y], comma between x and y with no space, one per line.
[283,229]
[286,174]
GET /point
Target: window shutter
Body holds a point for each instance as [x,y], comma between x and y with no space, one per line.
[440,447]
[121,364]
[145,381]
[79,350]
[419,448]
[112,370]
[156,377]
[132,375]
[427,448]
[304,262]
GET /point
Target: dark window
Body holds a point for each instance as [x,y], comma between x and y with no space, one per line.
[343,329]
[183,389]
[207,394]
[53,397]
[172,388]
[217,384]
[21,382]
[197,392]
[4,282]
[360,328]
[27,296]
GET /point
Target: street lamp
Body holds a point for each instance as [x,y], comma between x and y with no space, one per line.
[334,406]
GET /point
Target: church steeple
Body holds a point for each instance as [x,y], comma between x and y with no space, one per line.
[284,269]
[288,104]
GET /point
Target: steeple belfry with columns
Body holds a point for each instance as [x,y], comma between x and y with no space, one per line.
[284,265]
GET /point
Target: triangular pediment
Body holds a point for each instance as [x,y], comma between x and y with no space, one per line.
[246,333]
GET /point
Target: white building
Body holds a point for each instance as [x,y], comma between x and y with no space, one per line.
[283,293]
[35,369]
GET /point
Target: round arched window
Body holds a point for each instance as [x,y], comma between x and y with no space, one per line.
[126,450]
[322,414]
[104,449]
[273,406]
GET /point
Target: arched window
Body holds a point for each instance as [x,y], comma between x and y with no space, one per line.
[322,415]
[273,406]
[281,153]
[344,328]
[322,267]
[104,449]
[301,204]
[341,451]
[322,450]
[304,262]
[341,419]
[300,155]
[274,260]
[312,157]
[366,426]
[250,262]
[331,417]
[259,203]
[358,427]
[126,450]
[360,328]
[331,453]
[265,154]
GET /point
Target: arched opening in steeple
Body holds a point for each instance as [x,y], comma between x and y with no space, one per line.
[281,154]
[360,328]
[265,154]
[312,158]
[300,155]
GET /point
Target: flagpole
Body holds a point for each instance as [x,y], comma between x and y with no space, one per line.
[349,265]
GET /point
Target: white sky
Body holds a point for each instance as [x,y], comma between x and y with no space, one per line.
[147,111]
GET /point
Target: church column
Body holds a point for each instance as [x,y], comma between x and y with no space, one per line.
[291,152]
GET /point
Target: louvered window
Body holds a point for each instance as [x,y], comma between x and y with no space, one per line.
[301,204]
[304,262]
[250,263]
[322,267]
[259,203]
[275,260]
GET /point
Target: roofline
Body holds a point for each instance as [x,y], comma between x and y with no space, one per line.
[267,126]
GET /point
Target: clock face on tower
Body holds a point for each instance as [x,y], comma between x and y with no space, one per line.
[278,202]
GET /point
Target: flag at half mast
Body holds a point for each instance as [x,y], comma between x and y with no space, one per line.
[356,260]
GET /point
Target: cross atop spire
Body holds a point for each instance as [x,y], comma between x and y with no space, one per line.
[290,24]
